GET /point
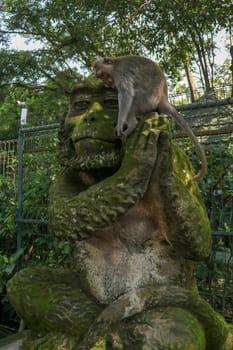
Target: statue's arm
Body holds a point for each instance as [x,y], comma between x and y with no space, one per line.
[191,233]
[102,203]
[188,227]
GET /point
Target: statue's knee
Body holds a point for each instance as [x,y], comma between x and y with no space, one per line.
[175,328]
[17,290]
[167,328]
[17,282]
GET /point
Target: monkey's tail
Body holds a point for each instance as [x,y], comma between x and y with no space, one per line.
[199,149]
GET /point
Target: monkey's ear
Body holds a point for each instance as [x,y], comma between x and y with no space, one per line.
[107,60]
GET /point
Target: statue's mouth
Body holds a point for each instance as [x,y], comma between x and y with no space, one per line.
[114,141]
[79,138]
[94,153]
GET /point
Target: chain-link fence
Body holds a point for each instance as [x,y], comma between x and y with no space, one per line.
[37,152]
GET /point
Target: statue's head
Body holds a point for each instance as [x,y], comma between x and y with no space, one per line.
[88,139]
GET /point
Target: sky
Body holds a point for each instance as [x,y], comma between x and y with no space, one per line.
[20,43]
[221,53]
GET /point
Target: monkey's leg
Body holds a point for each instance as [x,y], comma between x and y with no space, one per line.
[125,99]
[131,124]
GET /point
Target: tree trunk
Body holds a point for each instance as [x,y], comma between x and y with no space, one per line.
[191,82]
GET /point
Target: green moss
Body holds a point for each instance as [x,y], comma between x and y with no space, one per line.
[214,324]
[50,296]
[50,341]
[89,84]
[165,329]
[182,166]
[10,339]
[192,212]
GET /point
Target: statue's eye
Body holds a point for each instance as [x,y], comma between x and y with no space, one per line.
[111,103]
[81,106]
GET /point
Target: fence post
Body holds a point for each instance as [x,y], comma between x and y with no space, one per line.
[20,189]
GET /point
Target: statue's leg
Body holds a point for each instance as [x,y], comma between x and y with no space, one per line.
[163,329]
[51,301]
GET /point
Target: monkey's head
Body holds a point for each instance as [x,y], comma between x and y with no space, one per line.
[103,69]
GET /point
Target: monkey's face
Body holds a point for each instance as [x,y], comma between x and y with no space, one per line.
[102,70]
[89,130]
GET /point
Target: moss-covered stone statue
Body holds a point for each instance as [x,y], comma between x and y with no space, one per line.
[138,226]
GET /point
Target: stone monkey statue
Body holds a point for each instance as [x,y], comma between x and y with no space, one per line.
[137,230]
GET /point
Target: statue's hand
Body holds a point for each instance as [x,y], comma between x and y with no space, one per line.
[141,152]
[101,204]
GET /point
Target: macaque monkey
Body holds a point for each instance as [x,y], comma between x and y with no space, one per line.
[142,88]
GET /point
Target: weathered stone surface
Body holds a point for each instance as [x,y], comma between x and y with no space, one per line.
[14,346]
[138,226]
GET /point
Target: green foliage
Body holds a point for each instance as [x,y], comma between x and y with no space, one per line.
[39,168]
[215,273]
[71,35]
[215,276]
[223,76]
[183,34]
[7,266]
[44,106]
[38,244]
[7,208]
[218,185]
[10,116]
[20,65]
[74,34]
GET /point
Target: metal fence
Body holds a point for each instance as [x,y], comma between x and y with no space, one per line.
[37,153]
[220,92]
[34,157]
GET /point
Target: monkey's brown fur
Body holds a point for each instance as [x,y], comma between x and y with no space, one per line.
[142,88]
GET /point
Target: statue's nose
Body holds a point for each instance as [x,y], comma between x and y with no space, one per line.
[90,118]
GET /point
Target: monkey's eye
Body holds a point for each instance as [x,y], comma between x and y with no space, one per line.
[111,103]
[81,106]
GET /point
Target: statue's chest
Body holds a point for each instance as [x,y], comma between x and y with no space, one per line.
[125,256]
